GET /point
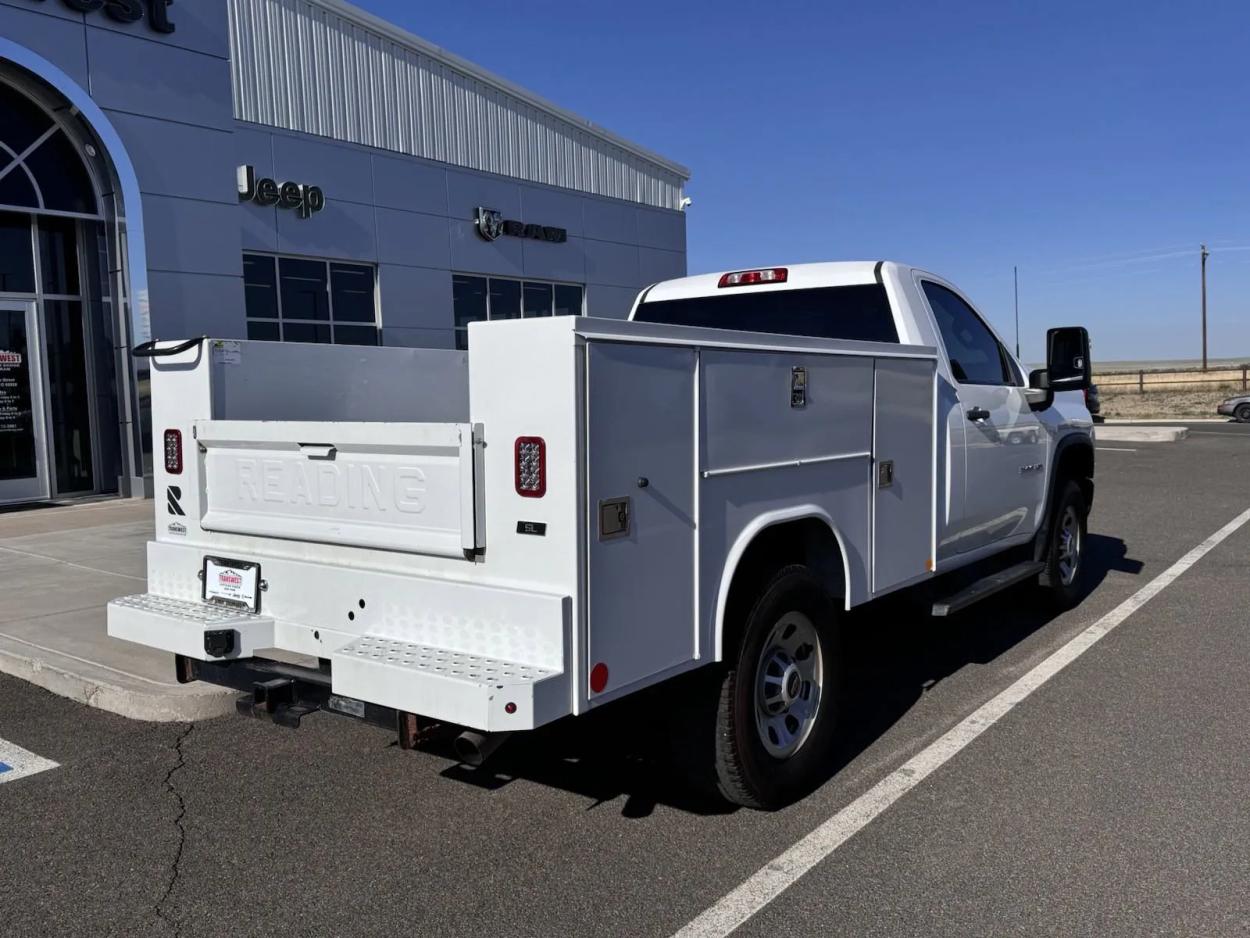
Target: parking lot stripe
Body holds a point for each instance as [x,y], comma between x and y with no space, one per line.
[779,874]
[1114,449]
[16,762]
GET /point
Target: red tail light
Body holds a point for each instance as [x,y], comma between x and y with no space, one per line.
[173,452]
[531,466]
[747,278]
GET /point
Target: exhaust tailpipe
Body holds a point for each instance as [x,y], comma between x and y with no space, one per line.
[474,748]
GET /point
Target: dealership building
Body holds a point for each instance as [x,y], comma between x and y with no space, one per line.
[282,170]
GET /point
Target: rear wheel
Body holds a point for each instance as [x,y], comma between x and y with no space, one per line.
[1242,413]
[1065,552]
[778,702]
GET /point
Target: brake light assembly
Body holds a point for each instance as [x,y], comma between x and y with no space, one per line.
[531,466]
[751,278]
[173,452]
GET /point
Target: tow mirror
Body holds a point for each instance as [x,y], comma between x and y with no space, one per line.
[1067,359]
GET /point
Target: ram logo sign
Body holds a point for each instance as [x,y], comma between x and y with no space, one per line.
[491,224]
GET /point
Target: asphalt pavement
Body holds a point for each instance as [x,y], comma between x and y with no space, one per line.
[1109,802]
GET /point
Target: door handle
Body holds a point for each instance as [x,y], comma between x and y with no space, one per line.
[978,414]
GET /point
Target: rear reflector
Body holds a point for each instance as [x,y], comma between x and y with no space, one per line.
[746,278]
[173,452]
[531,466]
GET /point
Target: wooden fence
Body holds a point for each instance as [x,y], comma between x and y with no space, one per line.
[1143,381]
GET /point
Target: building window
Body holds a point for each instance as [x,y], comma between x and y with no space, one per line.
[40,167]
[297,299]
[480,298]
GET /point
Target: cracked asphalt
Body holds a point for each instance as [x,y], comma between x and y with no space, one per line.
[1111,802]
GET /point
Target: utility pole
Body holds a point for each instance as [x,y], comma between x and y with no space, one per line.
[1015,280]
[1205,254]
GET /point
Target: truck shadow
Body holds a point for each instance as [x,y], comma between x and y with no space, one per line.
[896,653]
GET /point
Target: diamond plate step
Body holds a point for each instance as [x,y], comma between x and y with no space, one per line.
[449,685]
[178,625]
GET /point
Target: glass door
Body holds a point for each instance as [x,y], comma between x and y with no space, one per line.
[23,456]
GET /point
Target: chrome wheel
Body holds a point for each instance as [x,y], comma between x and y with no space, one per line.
[788,684]
[1069,546]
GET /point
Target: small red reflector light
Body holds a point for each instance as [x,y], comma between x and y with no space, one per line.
[747,278]
[598,678]
[531,466]
[509,708]
[173,452]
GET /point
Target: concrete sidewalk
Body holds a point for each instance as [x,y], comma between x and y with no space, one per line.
[60,566]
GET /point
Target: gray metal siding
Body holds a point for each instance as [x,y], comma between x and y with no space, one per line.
[305,66]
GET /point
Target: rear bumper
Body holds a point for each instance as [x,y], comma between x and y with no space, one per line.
[487,657]
[445,685]
[1226,410]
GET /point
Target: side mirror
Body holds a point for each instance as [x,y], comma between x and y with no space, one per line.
[1067,359]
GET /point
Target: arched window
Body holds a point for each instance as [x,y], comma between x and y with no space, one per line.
[40,167]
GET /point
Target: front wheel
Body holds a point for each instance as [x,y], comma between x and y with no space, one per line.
[1065,551]
[1242,413]
[777,708]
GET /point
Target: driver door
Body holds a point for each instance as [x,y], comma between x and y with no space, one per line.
[1003,442]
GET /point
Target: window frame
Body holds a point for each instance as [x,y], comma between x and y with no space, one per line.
[331,322]
[59,132]
[1008,373]
[461,333]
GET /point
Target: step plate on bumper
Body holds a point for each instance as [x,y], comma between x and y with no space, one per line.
[449,686]
[179,625]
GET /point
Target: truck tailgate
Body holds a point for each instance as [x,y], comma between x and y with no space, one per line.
[391,486]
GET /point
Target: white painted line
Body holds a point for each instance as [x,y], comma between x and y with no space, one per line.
[16,762]
[779,874]
[1114,449]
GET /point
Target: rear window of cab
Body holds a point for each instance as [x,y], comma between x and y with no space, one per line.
[859,312]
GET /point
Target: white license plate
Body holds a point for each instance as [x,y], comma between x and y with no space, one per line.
[232,583]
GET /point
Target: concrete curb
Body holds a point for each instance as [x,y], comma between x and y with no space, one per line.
[178,704]
[1123,434]
[1157,421]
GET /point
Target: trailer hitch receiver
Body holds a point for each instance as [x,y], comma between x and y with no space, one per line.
[278,700]
[219,642]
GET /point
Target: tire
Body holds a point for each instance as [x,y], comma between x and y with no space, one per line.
[1064,575]
[773,744]
[1242,413]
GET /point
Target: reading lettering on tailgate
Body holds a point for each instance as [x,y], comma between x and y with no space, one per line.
[358,485]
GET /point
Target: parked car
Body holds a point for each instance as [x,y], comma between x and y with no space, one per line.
[1236,407]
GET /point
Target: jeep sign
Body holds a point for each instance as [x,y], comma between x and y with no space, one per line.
[306,200]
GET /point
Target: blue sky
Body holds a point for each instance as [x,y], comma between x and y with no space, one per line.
[1093,144]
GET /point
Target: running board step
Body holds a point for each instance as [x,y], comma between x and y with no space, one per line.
[987,586]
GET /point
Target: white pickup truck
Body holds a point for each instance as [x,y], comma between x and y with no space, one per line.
[582,508]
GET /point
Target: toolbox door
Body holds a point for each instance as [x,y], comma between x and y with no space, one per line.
[903,472]
[641,531]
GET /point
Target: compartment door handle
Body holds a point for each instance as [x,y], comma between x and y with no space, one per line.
[318,450]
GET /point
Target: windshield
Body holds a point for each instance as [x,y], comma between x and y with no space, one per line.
[860,312]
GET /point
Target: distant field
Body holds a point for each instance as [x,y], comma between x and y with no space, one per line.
[1160,392]
[1174,364]
[1164,405]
